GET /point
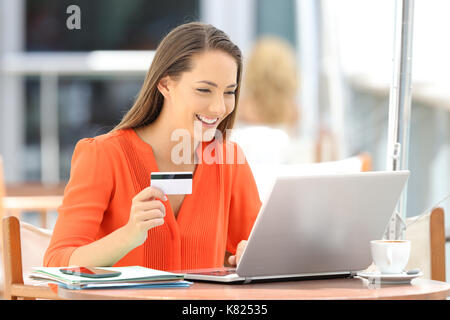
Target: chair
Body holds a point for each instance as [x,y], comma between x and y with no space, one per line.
[2,194]
[14,206]
[427,236]
[20,237]
[41,204]
[34,240]
[265,174]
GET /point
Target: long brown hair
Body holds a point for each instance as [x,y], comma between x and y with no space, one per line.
[173,57]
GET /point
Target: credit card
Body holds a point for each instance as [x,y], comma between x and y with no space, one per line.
[172,182]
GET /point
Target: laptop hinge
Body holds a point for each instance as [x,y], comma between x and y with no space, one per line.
[353,274]
[247,280]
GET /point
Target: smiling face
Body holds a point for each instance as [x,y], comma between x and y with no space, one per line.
[203,96]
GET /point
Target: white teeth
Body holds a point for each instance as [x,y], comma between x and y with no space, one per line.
[206,120]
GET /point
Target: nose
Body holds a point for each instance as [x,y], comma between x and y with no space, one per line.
[218,107]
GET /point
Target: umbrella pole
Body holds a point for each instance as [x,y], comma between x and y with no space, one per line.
[400,108]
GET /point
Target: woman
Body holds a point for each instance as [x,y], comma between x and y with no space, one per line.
[111,216]
[270,86]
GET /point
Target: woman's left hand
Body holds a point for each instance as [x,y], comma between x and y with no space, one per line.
[234,259]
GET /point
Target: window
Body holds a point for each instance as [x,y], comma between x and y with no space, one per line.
[89,104]
[105,24]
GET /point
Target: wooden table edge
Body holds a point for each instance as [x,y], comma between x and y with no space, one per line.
[94,294]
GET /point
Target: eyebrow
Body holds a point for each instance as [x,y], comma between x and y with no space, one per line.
[215,85]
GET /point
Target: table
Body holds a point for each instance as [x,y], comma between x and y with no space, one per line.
[42,204]
[350,288]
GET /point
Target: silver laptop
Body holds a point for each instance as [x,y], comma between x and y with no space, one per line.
[315,227]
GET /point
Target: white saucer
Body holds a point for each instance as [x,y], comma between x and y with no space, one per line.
[400,278]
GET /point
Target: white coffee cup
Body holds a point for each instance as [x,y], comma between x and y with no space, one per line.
[390,256]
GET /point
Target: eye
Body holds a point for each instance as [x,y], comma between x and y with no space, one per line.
[230,92]
[203,90]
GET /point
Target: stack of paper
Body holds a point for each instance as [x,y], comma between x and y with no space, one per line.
[134,276]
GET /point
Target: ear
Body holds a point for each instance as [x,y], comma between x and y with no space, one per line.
[164,86]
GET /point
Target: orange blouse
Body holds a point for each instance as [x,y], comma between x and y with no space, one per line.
[109,170]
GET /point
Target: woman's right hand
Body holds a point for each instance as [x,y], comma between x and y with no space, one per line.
[147,211]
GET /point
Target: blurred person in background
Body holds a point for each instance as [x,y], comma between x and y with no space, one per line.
[268,117]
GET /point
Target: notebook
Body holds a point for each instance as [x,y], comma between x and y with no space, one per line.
[132,276]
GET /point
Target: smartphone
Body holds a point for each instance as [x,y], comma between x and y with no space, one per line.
[90,272]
